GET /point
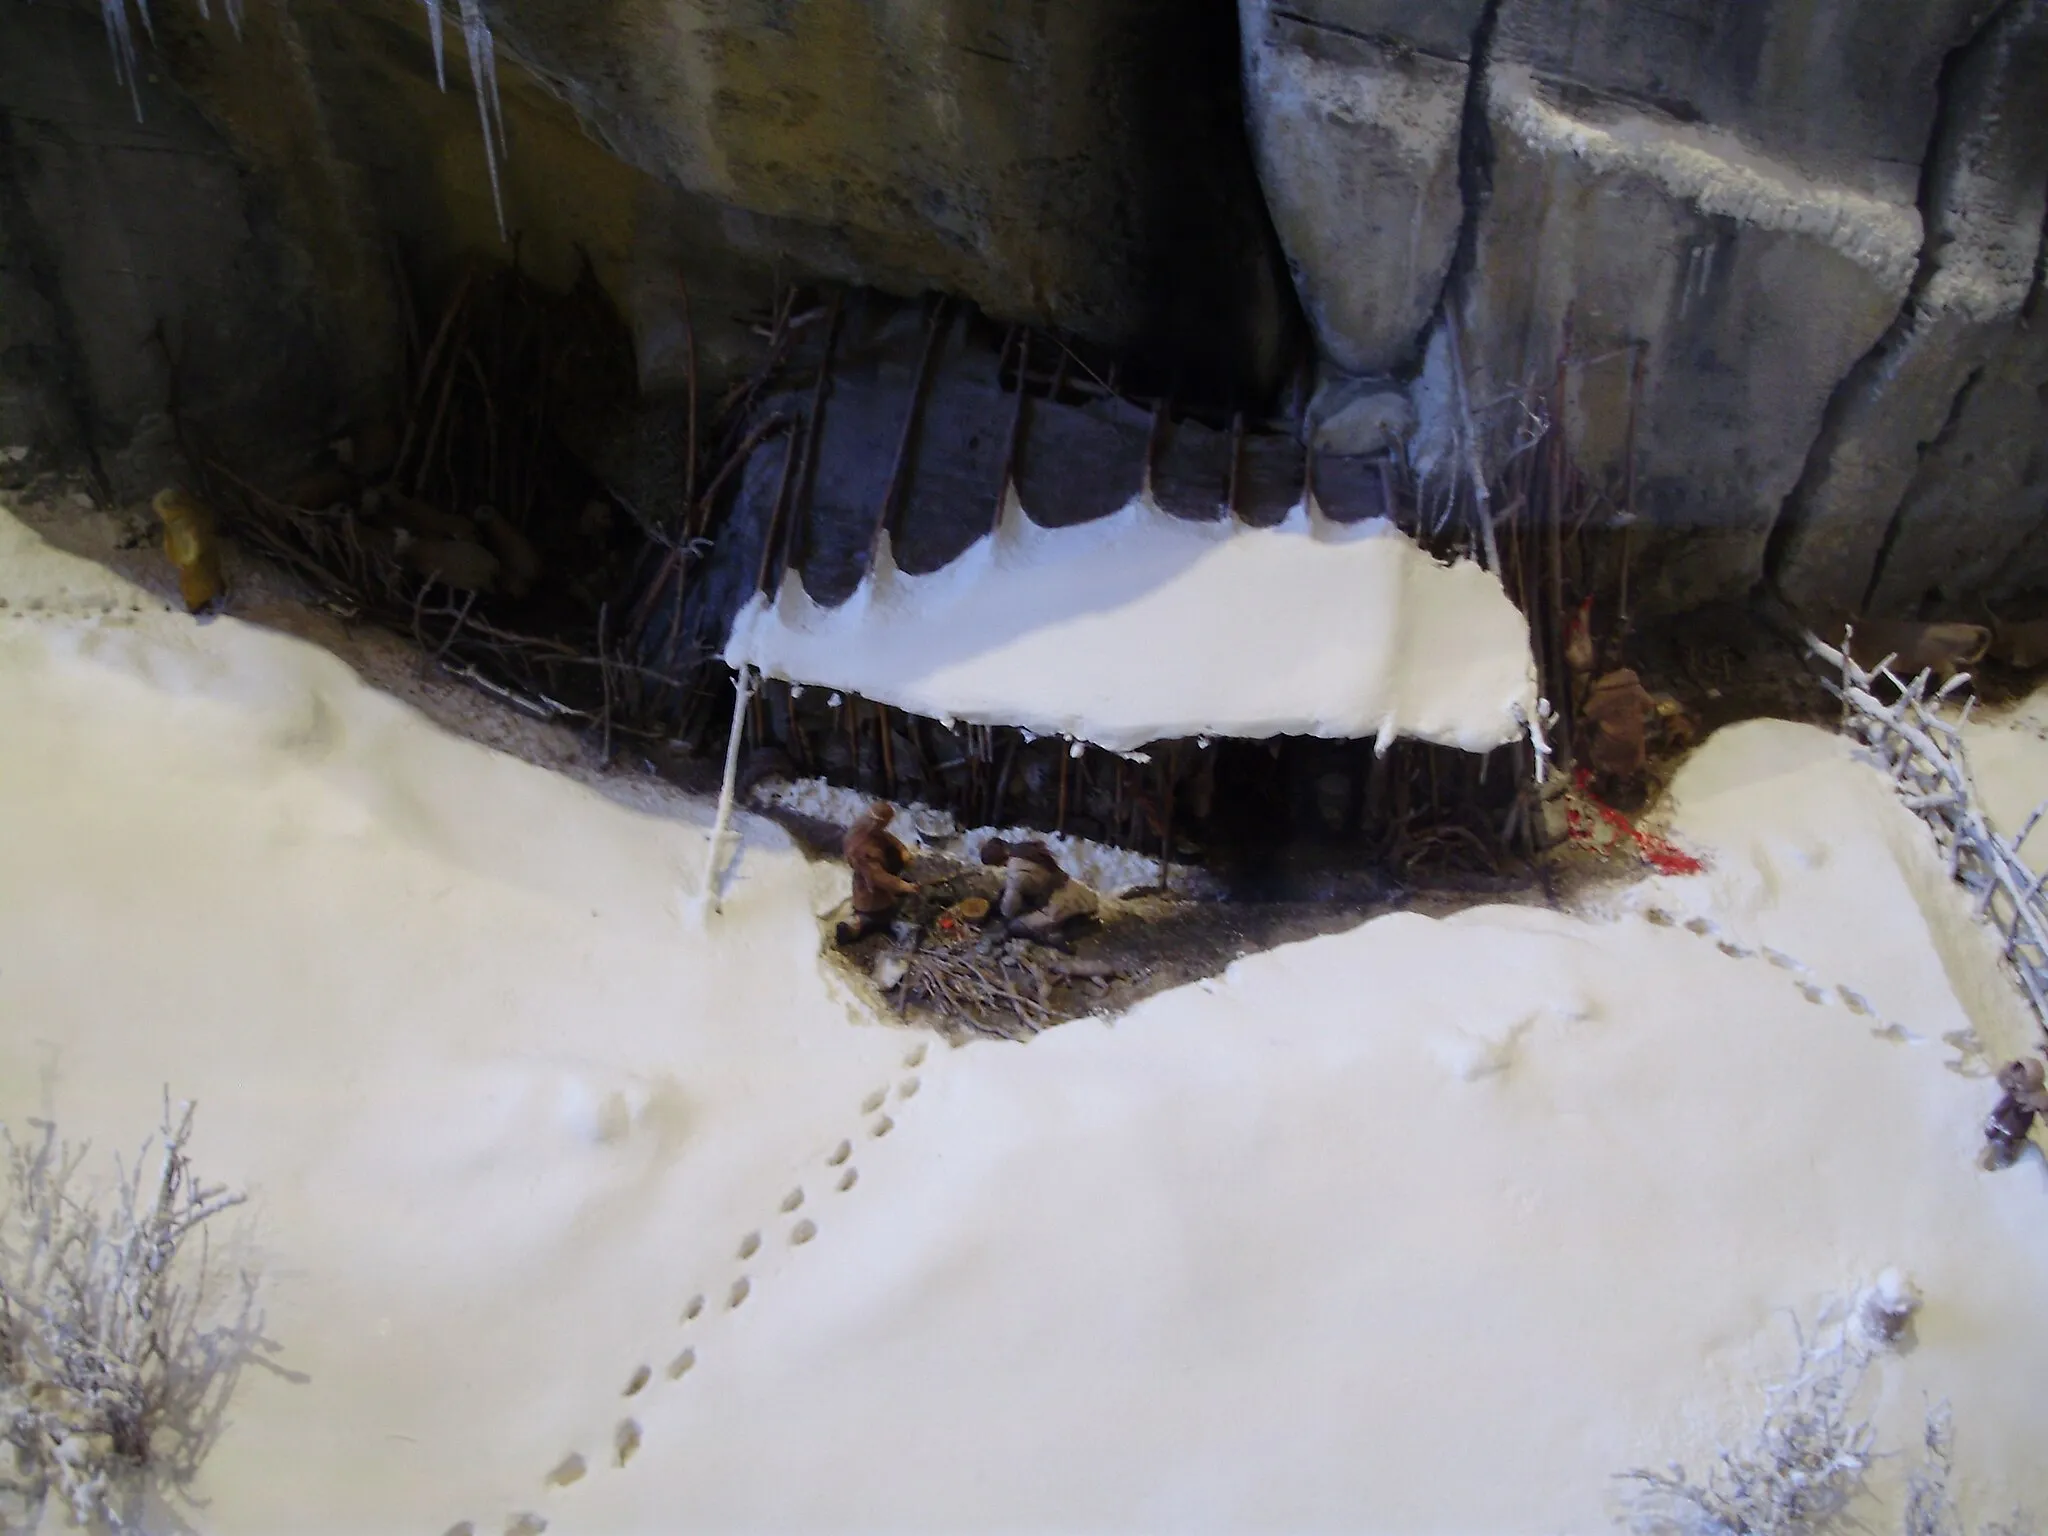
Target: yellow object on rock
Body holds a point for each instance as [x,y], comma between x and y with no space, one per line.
[193,546]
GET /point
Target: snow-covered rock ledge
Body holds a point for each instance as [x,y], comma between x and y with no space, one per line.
[1143,627]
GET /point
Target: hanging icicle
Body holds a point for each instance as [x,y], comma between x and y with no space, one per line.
[483,75]
[114,13]
[440,47]
[476,38]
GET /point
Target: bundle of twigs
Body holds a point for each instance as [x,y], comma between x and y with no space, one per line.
[1921,746]
[1004,992]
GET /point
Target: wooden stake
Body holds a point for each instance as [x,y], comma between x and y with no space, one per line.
[894,492]
[1236,464]
[1016,428]
[888,750]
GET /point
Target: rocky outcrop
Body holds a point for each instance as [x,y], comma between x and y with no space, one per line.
[1730,188]
[131,260]
[1356,109]
[1866,525]
[1816,227]
[1078,164]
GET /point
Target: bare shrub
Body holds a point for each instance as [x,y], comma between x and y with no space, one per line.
[1797,1473]
[113,1355]
[1806,1464]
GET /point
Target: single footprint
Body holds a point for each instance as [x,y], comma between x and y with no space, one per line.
[694,1309]
[915,1058]
[682,1363]
[882,1127]
[792,1200]
[873,1101]
[1733,950]
[1700,926]
[640,1379]
[803,1231]
[528,1524]
[1812,993]
[460,1527]
[1897,1032]
[1854,1001]
[1780,959]
[741,1288]
[848,1179]
[1658,916]
[750,1245]
[907,1089]
[570,1470]
[840,1154]
[626,1439]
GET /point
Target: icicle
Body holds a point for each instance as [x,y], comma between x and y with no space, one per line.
[440,48]
[114,13]
[483,75]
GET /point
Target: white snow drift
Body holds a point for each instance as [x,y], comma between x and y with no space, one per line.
[1434,1225]
[1142,626]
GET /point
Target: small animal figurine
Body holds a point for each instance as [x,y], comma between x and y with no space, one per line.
[2023,645]
[877,860]
[2006,1128]
[1944,649]
[192,545]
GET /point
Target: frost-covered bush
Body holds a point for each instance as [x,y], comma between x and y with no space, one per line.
[1805,1465]
[114,1354]
[1796,1474]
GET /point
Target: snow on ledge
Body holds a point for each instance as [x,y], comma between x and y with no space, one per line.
[1144,627]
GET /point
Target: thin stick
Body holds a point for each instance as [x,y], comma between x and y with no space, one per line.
[427,367]
[888,751]
[1060,818]
[1016,428]
[911,417]
[813,433]
[1236,464]
[690,443]
[1628,495]
[743,687]
[1482,511]
[1166,818]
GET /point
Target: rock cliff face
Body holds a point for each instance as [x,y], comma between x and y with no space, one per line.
[1803,239]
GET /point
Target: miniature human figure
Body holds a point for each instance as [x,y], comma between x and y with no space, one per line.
[877,860]
[2005,1131]
[1616,715]
[1039,898]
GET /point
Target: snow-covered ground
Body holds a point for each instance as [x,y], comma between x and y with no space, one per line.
[1142,626]
[1434,1225]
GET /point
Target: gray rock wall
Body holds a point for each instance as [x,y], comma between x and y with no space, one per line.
[1819,221]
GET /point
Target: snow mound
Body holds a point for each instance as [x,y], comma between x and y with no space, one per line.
[1144,627]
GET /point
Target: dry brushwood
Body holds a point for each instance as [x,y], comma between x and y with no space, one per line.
[110,1360]
[1920,744]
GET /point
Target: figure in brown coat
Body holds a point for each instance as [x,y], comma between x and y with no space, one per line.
[1616,718]
[2005,1131]
[1039,898]
[877,860]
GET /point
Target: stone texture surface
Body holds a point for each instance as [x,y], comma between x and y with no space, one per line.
[1833,396]
[1079,164]
[1849,538]
[128,246]
[1753,288]
[1355,110]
